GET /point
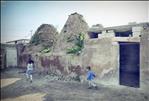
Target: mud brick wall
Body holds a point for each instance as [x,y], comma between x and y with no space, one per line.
[144,61]
[103,56]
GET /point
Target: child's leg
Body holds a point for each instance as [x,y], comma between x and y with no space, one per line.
[93,83]
[89,83]
[27,75]
[31,77]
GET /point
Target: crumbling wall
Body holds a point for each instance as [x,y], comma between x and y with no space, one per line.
[49,49]
[23,59]
[103,56]
[52,64]
[60,64]
[3,56]
[74,64]
[20,49]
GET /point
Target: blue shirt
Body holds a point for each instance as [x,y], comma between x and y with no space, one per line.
[90,75]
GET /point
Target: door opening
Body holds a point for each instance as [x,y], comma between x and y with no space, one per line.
[129,68]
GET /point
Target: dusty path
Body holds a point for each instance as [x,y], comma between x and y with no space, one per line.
[14,87]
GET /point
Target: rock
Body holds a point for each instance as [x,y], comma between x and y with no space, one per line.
[58,72]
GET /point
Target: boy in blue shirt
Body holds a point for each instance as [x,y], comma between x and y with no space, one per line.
[90,78]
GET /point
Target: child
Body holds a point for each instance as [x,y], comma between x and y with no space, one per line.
[29,71]
[90,78]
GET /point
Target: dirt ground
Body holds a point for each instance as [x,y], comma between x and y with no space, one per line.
[15,87]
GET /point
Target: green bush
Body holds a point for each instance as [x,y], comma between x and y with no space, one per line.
[73,50]
[79,45]
[45,50]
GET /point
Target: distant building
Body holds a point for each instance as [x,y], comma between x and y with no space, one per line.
[132,30]
[10,52]
[20,41]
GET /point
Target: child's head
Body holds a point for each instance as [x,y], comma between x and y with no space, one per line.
[30,61]
[88,68]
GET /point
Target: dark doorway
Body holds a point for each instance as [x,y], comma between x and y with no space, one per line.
[93,35]
[123,34]
[129,72]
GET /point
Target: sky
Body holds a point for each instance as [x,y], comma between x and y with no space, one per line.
[20,19]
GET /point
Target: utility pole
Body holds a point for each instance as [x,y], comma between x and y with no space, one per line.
[29,34]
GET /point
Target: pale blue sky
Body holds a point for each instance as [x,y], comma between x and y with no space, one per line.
[19,18]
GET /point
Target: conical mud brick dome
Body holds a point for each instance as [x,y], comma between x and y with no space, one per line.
[74,25]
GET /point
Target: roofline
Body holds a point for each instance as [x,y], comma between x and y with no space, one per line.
[121,27]
[18,40]
[128,25]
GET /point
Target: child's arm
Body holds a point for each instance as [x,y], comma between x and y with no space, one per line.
[27,66]
[94,75]
[88,76]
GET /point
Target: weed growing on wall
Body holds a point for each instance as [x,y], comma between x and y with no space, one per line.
[46,50]
[79,45]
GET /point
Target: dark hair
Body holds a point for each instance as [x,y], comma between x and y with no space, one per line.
[30,61]
[88,67]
